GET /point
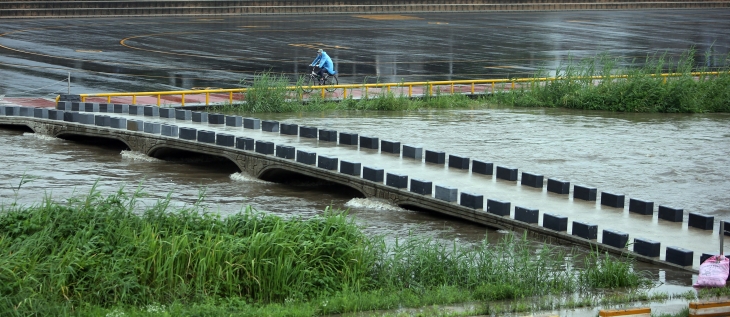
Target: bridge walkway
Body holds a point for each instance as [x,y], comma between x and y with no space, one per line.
[678,235]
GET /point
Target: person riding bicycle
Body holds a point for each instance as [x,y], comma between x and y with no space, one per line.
[324,62]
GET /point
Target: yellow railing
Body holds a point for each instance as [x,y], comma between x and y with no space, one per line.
[428,85]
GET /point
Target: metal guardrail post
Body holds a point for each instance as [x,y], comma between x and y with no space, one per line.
[207,98]
[182,100]
[159,97]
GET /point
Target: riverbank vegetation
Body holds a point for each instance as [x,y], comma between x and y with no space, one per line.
[269,93]
[109,256]
[613,84]
[599,83]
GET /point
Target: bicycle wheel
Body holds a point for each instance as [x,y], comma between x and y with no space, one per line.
[307,84]
[331,82]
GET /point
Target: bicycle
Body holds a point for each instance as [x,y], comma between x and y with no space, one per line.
[312,79]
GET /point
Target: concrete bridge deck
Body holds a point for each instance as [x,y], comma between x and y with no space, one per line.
[495,196]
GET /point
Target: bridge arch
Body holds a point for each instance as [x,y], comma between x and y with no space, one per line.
[415,205]
[282,173]
[166,151]
[18,127]
[93,139]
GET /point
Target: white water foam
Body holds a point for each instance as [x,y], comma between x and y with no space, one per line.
[372,204]
[40,136]
[245,178]
[137,156]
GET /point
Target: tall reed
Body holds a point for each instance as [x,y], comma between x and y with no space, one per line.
[97,252]
[602,83]
[604,272]
[268,93]
[513,265]
[100,252]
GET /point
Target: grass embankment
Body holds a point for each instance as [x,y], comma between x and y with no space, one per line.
[623,86]
[629,88]
[105,255]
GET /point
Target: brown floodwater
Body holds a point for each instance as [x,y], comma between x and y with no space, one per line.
[677,160]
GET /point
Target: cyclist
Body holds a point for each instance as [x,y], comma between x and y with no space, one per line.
[324,62]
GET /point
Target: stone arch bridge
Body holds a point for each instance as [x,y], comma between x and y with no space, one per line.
[154,136]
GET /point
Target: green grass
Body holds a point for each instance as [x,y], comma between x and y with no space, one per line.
[713,292]
[635,87]
[98,251]
[605,272]
[683,313]
[267,93]
[99,255]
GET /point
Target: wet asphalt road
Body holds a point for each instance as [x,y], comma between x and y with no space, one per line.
[157,53]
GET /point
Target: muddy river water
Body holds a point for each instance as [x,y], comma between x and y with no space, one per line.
[674,160]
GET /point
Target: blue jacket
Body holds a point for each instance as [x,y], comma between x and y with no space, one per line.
[324,61]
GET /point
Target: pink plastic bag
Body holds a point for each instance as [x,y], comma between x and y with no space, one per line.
[713,272]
